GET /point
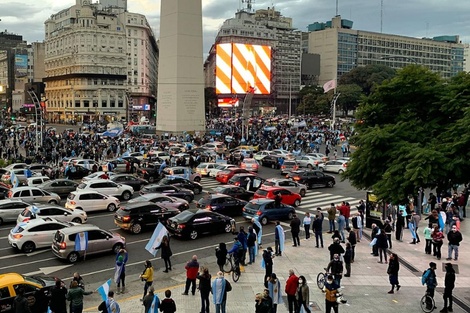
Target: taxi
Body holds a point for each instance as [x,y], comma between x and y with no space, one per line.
[248,148]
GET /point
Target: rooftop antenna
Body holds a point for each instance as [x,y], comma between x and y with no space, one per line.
[381,15]
[336,8]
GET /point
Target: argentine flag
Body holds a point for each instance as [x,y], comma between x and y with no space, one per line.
[156,239]
[104,289]
[81,241]
[282,237]
[260,234]
[14,179]
[49,309]
[155,303]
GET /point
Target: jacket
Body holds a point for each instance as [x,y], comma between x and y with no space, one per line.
[330,291]
[166,250]
[393,267]
[295,225]
[204,283]
[345,210]
[242,237]
[352,238]
[291,285]
[58,299]
[251,240]
[21,305]
[192,268]
[148,274]
[382,241]
[168,305]
[335,267]
[221,255]
[317,225]
[347,255]
[303,293]
[449,280]
[454,238]
[331,213]
[75,295]
[267,257]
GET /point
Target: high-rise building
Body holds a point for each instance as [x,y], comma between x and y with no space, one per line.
[101,63]
[342,48]
[265,27]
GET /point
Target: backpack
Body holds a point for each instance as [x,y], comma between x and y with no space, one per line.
[424,277]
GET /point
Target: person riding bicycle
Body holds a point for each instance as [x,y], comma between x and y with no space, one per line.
[429,278]
[335,267]
[236,251]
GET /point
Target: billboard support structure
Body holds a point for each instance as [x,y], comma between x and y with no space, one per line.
[246,110]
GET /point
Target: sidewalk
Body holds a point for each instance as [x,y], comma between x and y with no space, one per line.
[366,289]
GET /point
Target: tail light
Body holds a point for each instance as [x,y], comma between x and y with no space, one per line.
[237,183]
[283,166]
[73,202]
[297,178]
[243,165]
[26,219]
[10,194]
[208,207]
[345,165]
[244,210]
[126,219]
[7,177]
[17,236]
[258,213]
[295,168]
[181,226]
[62,246]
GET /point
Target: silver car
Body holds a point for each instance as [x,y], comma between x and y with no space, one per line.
[10,209]
[99,241]
[288,184]
[336,166]
[310,162]
[34,195]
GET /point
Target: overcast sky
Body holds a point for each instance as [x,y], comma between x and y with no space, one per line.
[416,18]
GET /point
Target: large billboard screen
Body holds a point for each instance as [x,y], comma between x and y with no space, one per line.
[243,67]
[21,65]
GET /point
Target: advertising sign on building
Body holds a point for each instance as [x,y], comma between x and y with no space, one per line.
[21,65]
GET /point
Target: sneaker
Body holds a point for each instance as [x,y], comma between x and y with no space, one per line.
[448,259]
[398,287]
[184,294]
[379,262]
[391,291]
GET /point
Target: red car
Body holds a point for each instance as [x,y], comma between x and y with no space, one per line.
[287,197]
[224,176]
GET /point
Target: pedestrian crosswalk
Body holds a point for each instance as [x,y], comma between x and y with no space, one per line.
[314,199]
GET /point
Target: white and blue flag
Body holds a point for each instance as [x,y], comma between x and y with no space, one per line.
[282,237]
[104,289]
[155,303]
[14,179]
[156,239]
[81,241]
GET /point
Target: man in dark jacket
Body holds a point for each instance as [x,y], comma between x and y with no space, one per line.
[353,241]
[449,284]
[268,264]
[295,230]
[335,248]
[58,302]
[242,237]
[454,237]
[21,303]
[317,227]
[335,267]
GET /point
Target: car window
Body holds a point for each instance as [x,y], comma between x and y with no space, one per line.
[23,193]
[283,183]
[96,196]
[269,206]
[121,178]
[68,183]
[19,205]
[292,184]
[85,196]
[37,193]
[320,174]
[40,228]
[144,210]
[4,293]
[26,287]
[284,192]
[96,235]
[99,185]
[56,184]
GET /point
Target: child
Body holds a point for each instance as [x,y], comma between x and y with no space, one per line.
[168,304]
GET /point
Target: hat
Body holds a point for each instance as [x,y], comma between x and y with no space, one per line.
[120,258]
[269,249]
[336,239]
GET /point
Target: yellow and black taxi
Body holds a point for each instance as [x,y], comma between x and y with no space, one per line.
[36,290]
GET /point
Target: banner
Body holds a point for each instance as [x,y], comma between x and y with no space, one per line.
[21,65]
[156,239]
[329,85]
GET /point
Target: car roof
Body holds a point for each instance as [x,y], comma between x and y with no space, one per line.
[80,191]
[24,188]
[9,200]
[78,228]
[261,201]
[11,278]
[276,180]
[39,221]
[244,175]
[271,188]
[138,204]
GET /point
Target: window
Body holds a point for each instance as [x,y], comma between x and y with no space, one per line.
[96,235]
[23,193]
[37,193]
[4,293]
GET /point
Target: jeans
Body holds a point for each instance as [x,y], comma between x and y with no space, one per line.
[277,246]
[295,238]
[454,248]
[447,297]
[347,221]
[192,283]
[348,268]
[205,305]
[384,252]
[437,249]
[353,252]
[76,308]
[428,247]
[220,308]
[389,239]
[122,278]
[319,235]
[341,231]
[307,231]
[305,307]
[430,292]
[146,287]
[251,251]
[332,225]
[167,263]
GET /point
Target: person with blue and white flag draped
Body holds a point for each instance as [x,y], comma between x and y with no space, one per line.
[151,302]
[252,245]
[109,305]
[14,180]
[279,238]
[258,228]
[120,270]
[220,287]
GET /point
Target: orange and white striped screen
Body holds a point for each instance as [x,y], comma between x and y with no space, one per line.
[242,67]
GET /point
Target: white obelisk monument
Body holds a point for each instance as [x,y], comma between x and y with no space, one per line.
[180,99]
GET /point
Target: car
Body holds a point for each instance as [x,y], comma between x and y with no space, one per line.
[218,147]
[162,155]
[283,153]
[137,216]
[19,173]
[238,154]
[182,171]
[127,179]
[36,180]
[203,169]
[163,200]
[132,160]
[271,161]
[224,176]
[250,165]
[169,190]
[261,154]
[39,167]
[181,182]
[37,290]
[234,191]
[288,184]
[76,172]
[98,175]
[312,178]
[249,181]
[99,241]
[151,172]
[52,210]
[10,209]
[62,187]
[16,166]
[266,210]
[108,188]
[118,165]
[321,156]
[4,189]
[250,148]
[193,223]
[220,167]
[91,200]
[34,195]
[222,204]
[35,234]
[335,166]
[308,161]
[287,196]
[288,166]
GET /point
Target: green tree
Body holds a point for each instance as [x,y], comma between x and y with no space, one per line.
[349,98]
[367,76]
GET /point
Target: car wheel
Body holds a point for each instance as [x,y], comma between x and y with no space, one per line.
[228,228]
[302,192]
[322,169]
[126,195]
[197,190]
[28,247]
[290,216]
[53,202]
[117,247]
[309,166]
[264,220]
[297,202]
[188,198]
[136,228]
[111,207]
[193,234]
[340,172]
[197,179]
[77,220]
[72,257]
[330,184]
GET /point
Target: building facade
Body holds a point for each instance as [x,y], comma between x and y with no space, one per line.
[100,63]
[342,48]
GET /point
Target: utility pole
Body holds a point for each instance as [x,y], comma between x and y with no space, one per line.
[381,15]
[337,8]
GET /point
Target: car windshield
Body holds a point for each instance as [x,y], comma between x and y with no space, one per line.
[183,216]
[269,183]
[261,192]
[18,229]
[252,206]
[33,280]
[81,186]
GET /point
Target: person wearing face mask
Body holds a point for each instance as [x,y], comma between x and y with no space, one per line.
[335,267]
[302,295]
[331,290]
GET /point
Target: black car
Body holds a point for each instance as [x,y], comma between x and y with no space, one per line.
[312,178]
[270,161]
[181,182]
[78,173]
[141,215]
[234,191]
[248,181]
[195,222]
[126,179]
[163,200]
[62,187]
[169,190]
[222,204]
[132,159]
[150,172]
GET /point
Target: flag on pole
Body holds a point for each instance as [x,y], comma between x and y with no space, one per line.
[49,309]
[104,289]
[156,239]
[331,84]
[14,179]
[81,241]
[154,307]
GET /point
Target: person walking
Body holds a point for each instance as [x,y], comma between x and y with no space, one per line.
[267,263]
[335,267]
[291,290]
[221,255]
[303,295]
[204,288]
[252,245]
[347,258]
[295,230]
[430,280]
[167,305]
[427,236]
[416,218]
[306,222]
[341,226]
[120,270]
[382,245]
[331,218]
[75,296]
[166,253]
[331,289]
[437,241]
[392,271]
[58,301]
[454,237]
[352,239]
[317,227]
[220,287]
[147,277]
[274,286]
[109,305]
[449,284]
[192,268]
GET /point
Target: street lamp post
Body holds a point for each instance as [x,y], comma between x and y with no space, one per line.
[38,118]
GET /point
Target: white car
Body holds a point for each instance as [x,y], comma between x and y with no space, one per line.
[335,166]
[204,168]
[288,184]
[36,180]
[108,188]
[308,161]
[283,153]
[10,209]
[96,175]
[91,200]
[35,234]
[154,152]
[52,210]
[319,155]
[221,167]
[261,154]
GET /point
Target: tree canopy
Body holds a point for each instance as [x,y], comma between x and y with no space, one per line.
[413,131]
[367,76]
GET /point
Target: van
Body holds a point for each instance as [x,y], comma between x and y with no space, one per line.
[99,241]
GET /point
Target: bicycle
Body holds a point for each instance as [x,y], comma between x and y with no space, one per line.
[232,266]
[427,303]
[321,278]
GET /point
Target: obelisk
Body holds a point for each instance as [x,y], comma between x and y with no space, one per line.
[180,99]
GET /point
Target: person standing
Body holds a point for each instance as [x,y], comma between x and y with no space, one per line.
[330,289]
[317,227]
[258,228]
[399,225]
[357,226]
[303,295]
[430,280]
[449,284]
[58,303]
[416,218]
[291,289]
[120,270]
[392,271]
[335,248]
[75,296]
[382,245]
[427,236]
[148,299]
[79,280]
[220,287]
[167,305]
[388,232]
[352,239]
[331,217]
[267,263]
[454,237]
[221,255]
[274,286]
[295,230]
[109,305]
[347,259]
[341,225]
[166,253]
[437,241]
[262,305]
[335,267]
[251,244]
[279,238]
[242,238]
[20,303]
[147,277]
[306,222]
[204,288]
[373,235]
[192,268]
